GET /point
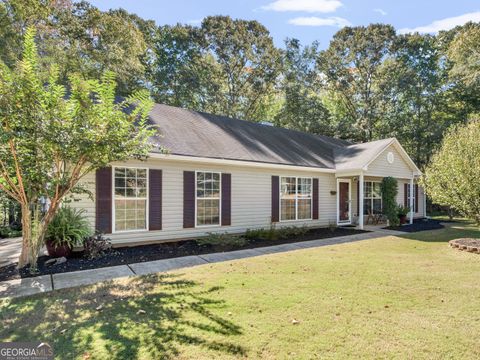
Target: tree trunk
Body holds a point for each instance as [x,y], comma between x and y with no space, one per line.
[33,233]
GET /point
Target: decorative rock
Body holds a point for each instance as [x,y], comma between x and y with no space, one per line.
[56,261]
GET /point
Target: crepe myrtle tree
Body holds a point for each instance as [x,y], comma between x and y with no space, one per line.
[51,136]
[452,177]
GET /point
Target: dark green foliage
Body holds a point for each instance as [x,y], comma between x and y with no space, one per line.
[69,226]
[8,232]
[273,233]
[402,210]
[389,194]
[224,239]
[96,246]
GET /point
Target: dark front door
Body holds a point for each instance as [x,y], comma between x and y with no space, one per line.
[344,201]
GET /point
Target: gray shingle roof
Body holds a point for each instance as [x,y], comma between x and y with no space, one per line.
[197,134]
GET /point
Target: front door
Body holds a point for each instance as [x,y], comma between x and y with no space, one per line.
[344,201]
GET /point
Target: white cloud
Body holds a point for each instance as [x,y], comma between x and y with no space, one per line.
[380,11]
[317,21]
[311,6]
[444,24]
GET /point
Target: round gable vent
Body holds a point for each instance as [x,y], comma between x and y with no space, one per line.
[390,157]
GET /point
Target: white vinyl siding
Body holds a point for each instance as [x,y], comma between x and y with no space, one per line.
[382,168]
[250,198]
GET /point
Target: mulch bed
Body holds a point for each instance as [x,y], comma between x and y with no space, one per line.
[467,244]
[418,225]
[135,254]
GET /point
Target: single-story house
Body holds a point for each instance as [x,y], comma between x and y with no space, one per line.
[229,175]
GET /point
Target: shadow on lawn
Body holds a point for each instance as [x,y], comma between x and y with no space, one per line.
[452,230]
[149,317]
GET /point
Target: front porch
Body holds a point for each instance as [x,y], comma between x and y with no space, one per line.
[356,192]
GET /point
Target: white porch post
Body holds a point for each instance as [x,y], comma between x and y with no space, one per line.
[411,200]
[360,201]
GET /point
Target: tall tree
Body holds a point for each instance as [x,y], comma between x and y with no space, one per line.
[48,142]
[464,52]
[411,81]
[228,67]
[351,67]
[302,108]
[78,37]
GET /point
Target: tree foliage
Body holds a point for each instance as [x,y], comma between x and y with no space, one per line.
[78,37]
[452,177]
[49,141]
[389,188]
[225,66]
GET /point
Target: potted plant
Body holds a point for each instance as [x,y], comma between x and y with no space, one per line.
[68,228]
[402,212]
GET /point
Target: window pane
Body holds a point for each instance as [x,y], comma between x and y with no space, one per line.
[367,206]
[367,189]
[142,173]
[208,212]
[287,209]
[377,206]
[130,213]
[305,187]
[288,187]
[304,208]
[377,191]
[120,172]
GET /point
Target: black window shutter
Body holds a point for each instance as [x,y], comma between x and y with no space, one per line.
[315,199]
[189,199]
[155,200]
[103,203]
[405,195]
[358,197]
[416,198]
[226,199]
[275,198]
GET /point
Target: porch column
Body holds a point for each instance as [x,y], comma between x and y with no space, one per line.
[360,201]
[411,200]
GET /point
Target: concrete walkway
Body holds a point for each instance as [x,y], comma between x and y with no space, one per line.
[45,283]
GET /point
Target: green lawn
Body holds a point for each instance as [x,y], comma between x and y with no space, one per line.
[395,297]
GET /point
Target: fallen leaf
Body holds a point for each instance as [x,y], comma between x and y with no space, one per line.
[141,312]
[295,322]
[99,307]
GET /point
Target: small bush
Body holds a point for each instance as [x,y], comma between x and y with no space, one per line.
[69,226]
[96,246]
[262,234]
[289,232]
[8,232]
[223,239]
[276,234]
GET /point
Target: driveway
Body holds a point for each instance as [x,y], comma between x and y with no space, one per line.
[10,250]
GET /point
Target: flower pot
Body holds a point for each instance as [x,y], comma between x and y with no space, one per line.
[403,219]
[59,250]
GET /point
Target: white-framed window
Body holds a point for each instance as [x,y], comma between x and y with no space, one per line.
[408,197]
[295,198]
[130,199]
[372,197]
[207,198]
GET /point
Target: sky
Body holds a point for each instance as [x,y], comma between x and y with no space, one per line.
[309,20]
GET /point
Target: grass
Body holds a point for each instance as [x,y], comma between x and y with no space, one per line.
[394,297]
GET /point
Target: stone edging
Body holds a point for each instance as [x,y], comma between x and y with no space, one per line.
[456,243]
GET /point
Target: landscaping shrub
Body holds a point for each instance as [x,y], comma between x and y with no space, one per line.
[96,246]
[389,188]
[224,239]
[276,234]
[68,227]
